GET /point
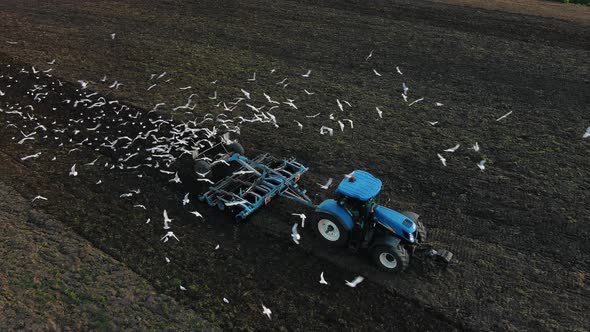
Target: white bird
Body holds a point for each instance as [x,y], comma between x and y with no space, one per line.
[504,116]
[299,124]
[182,288]
[405,97]
[166,220]
[432,123]
[442,159]
[252,79]
[99,182]
[475,147]
[453,149]
[294,234]
[2,94]
[339,105]
[36,155]
[341,125]
[113,35]
[217,247]
[307,74]
[327,185]
[151,87]
[196,214]
[38,197]
[51,62]
[84,84]
[379,112]
[437,104]
[302,216]
[167,259]
[185,200]
[398,70]
[266,311]
[349,122]
[322,280]
[376,72]
[324,130]
[91,163]
[309,93]
[246,93]
[369,56]
[169,235]
[587,133]
[140,206]
[225,300]
[73,171]
[355,282]
[481,165]
[416,101]
[176,179]
[405,88]
[206,180]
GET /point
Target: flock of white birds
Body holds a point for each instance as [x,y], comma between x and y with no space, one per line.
[148,140]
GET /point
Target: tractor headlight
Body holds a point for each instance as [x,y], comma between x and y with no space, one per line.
[409,236]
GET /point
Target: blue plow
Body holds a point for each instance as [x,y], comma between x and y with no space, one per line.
[256,183]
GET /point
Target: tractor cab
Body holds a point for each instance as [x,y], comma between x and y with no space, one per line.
[358,194]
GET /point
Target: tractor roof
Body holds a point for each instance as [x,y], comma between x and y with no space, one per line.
[364,187]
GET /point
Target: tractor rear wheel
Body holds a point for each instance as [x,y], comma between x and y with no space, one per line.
[330,229]
[390,259]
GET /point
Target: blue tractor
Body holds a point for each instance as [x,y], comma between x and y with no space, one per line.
[353,219]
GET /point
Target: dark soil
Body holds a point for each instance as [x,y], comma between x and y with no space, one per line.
[519,229]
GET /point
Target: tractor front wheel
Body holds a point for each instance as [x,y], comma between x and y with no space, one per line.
[422,233]
[390,259]
[330,229]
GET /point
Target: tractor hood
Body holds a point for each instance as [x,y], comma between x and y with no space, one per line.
[401,225]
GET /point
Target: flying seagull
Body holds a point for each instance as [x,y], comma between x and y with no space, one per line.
[322,280]
[36,155]
[302,216]
[73,171]
[38,197]
[379,112]
[355,282]
[504,116]
[196,214]
[294,234]
[587,133]
[481,165]
[327,185]
[453,149]
[442,159]
[266,311]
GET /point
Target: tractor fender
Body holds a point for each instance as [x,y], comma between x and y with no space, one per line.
[390,241]
[331,207]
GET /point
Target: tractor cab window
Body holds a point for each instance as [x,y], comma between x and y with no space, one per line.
[356,208]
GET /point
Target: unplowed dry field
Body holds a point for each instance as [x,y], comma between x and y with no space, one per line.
[90,255]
